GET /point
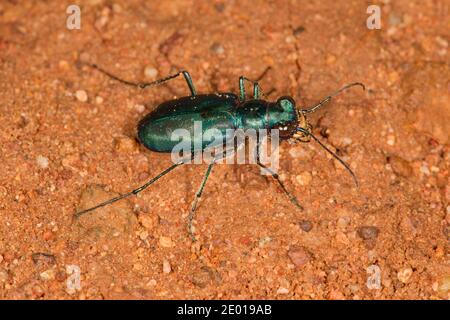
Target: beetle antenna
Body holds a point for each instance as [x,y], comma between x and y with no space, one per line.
[355,179]
[327,99]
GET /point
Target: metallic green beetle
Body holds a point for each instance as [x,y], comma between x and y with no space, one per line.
[220,111]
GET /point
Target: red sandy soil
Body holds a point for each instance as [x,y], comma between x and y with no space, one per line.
[60,153]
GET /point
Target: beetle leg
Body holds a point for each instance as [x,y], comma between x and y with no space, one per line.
[256,88]
[291,197]
[133,192]
[143,85]
[198,194]
[189,82]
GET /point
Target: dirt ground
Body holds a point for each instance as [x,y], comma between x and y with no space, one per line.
[68,142]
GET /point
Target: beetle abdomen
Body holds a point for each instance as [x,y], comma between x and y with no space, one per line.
[161,129]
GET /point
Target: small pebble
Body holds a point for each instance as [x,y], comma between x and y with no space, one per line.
[439,251]
[98,100]
[331,59]
[126,145]
[442,286]
[143,235]
[400,166]
[150,72]
[394,19]
[217,48]
[390,140]
[404,275]
[81,95]
[290,39]
[336,295]
[346,141]
[152,283]
[264,240]
[343,222]
[298,30]
[305,225]
[203,277]
[165,242]
[425,170]
[304,179]
[138,267]
[48,235]
[140,108]
[48,275]
[166,266]
[148,221]
[3,276]
[41,259]
[368,232]
[299,256]
[63,65]
[42,162]
[282,290]
[84,57]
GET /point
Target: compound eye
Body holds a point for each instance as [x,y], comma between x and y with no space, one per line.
[286,103]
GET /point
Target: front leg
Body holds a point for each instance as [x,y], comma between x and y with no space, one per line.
[291,197]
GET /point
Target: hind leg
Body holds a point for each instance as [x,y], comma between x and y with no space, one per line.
[143,85]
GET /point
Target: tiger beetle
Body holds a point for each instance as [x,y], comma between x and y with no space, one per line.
[221,111]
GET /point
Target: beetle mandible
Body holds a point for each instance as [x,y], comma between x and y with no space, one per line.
[224,111]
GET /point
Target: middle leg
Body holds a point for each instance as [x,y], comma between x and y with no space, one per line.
[256,88]
[198,195]
[199,192]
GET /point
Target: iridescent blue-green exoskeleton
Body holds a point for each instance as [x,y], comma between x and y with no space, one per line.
[220,111]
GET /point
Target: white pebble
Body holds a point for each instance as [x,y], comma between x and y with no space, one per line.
[166,266]
[165,242]
[143,235]
[48,275]
[346,141]
[139,108]
[98,100]
[425,170]
[390,140]
[150,72]
[404,275]
[282,290]
[81,95]
[152,283]
[42,162]
[434,169]
[304,178]
[289,39]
